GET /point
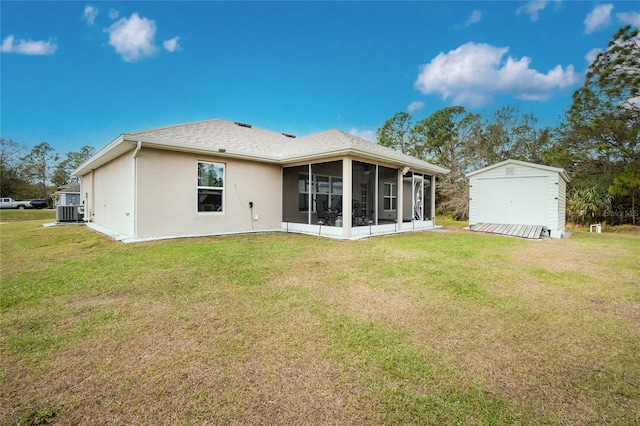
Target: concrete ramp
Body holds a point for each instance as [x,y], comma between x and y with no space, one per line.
[533,232]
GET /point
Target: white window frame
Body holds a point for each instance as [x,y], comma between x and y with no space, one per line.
[364,195]
[223,166]
[313,192]
[393,196]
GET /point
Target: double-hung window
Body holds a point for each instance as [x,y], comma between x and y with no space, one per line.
[326,192]
[210,187]
[390,196]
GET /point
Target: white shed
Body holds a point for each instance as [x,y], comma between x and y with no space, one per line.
[519,193]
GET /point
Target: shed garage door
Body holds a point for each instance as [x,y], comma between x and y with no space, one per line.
[516,200]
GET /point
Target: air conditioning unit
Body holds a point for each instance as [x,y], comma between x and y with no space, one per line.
[67,214]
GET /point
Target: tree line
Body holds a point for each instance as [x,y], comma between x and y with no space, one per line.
[597,142]
[37,173]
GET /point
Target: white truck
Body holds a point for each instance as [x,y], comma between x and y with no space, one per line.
[10,203]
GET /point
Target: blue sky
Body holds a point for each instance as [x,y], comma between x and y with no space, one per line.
[80,73]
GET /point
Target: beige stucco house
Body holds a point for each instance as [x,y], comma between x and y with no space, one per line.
[220,177]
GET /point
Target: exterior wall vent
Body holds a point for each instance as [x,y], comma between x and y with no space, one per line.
[248,126]
[510,171]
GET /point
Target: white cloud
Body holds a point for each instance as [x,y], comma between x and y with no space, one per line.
[133,38]
[473,74]
[369,135]
[532,9]
[90,14]
[592,54]
[172,45]
[633,103]
[598,18]
[27,47]
[113,14]
[414,106]
[629,18]
[476,16]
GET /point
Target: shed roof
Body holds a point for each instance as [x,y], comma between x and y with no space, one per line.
[71,187]
[521,163]
[237,140]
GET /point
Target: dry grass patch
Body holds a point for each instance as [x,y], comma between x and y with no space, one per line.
[423,328]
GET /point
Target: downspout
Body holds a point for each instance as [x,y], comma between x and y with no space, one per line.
[135,153]
[93,195]
[400,206]
[433,200]
[376,195]
[84,201]
[84,208]
[347,196]
[134,201]
[310,206]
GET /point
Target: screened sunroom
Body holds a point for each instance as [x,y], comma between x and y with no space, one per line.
[353,198]
[329,183]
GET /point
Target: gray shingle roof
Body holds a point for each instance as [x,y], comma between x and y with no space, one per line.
[257,144]
[70,187]
[213,135]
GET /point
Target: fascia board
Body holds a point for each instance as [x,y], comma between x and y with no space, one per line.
[520,163]
[486,169]
[116,148]
[416,165]
[283,160]
[213,151]
[126,142]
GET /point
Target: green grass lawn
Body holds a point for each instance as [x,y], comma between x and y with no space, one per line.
[421,328]
[16,215]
